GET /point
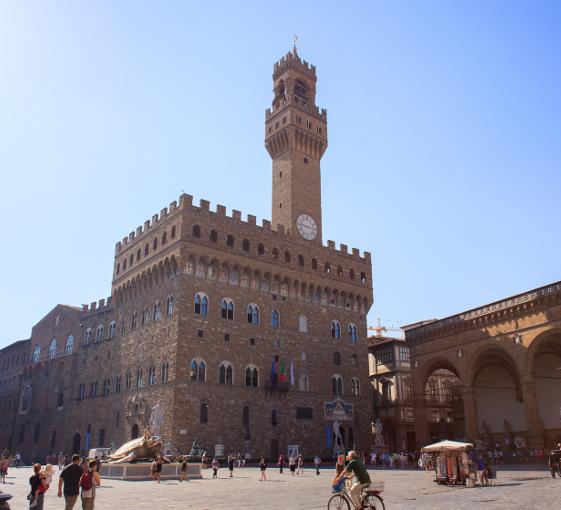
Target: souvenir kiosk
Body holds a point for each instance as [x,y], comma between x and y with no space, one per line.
[450,461]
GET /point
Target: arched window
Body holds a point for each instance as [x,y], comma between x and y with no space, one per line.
[275,253]
[302,324]
[198,371]
[164,238]
[152,375]
[245,245]
[275,319]
[118,267]
[213,236]
[252,376]
[336,358]
[225,373]
[128,380]
[314,264]
[170,303]
[253,314]
[124,264]
[144,317]
[146,248]
[351,329]
[139,378]
[230,240]
[157,312]
[165,372]
[36,354]
[52,349]
[155,243]
[304,383]
[300,260]
[112,328]
[99,333]
[287,256]
[173,232]
[227,309]
[133,320]
[355,387]
[131,260]
[25,402]
[69,345]
[260,249]
[327,267]
[203,418]
[337,385]
[201,304]
[335,329]
[354,361]
[196,231]
[88,335]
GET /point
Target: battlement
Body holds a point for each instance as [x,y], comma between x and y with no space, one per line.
[98,306]
[293,60]
[154,222]
[316,111]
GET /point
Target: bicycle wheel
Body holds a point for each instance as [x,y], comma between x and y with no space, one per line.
[374,502]
[338,502]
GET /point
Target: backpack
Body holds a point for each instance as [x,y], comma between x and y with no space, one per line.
[86,482]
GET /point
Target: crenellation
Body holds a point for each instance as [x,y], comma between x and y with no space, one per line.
[220,210]
[85,308]
[163,212]
[93,305]
[266,224]
[101,303]
[154,219]
[331,245]
[343,248]
[131,236]
[356,253]
[251,220]
[204,205]
[236,215]
[173,206]
[138,231]
[146,225]
[186,199]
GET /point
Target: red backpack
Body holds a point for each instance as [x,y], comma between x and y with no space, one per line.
[86,481]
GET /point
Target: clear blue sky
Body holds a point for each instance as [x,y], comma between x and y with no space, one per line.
[444,138]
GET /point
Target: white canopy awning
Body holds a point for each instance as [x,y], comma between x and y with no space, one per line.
[445,445]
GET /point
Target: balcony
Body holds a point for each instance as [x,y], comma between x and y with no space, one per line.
[280,387]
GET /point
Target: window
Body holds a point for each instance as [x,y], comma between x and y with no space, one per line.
[138,254]
[165,372]
[355,387]
[302,324]
[314,264]
[118,384]
[204,413]
[213,236]
[88,336]
[200,333]
[335,329]
[106,387]
[252,341]
[227,309]
[327,267]
[339,271]
[252,376]
[245,245]
[337,385]
[384,355]
[201,304]
[155,243]
[301,260]
[157,312]
[164,238]
[173,232]
[275,253]
[169,305]
[253,314]
[146,248]
[351,329]
[304,413]
[69,345]
[230,240]
[99,333]
[336,358]
[118,267]
[112,327]
[93,389]
[354,361]
[82,392]
[275,319]
[304,384]
[386,392]
[287,256]
[52,349]
[196,231]
[144,317]
[36,353]
[133,320]
[260,249]
[404,353]
[198,371]
[407,391]
[131,260]
[152,375]
[128,380]
[225,373]
[362,277]
[139,380]
[25,403]
[124,264]
[123,327]
[245,416]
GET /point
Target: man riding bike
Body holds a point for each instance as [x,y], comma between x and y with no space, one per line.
[362,477]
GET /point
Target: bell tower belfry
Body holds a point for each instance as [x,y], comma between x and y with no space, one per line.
[296,138]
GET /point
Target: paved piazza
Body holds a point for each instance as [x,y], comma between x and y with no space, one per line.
[515,489]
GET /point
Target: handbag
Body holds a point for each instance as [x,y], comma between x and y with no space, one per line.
[87,494]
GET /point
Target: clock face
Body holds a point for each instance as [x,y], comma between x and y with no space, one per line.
[307,227]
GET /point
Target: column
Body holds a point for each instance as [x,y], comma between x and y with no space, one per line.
[421,420]
[470,412]
[535,433]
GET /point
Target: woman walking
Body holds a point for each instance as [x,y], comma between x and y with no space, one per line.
[38,488]
[263,468]
[300,465]
[280,463]
[292,464]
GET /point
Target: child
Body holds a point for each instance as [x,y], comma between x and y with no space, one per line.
[46,474]
[215,465]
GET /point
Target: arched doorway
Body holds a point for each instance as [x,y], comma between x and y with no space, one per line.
[498,396]
[134,431]
[76,443]
[546,372]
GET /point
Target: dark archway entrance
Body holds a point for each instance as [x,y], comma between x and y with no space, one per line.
[76,443]
[134,431]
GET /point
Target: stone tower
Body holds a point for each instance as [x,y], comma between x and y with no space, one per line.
[296,138]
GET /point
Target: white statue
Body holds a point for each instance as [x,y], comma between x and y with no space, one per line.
[157,419]
[379,438]
[338,443]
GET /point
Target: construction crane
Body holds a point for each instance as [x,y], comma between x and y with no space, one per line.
[379,330]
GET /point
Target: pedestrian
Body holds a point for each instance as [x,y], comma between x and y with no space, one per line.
[339,483]
[215,465]
[4,463]
[317,462]
[157,468]
[89,480]
[183,470]
[231,465]
[70,478]
[46,476]
[35,481]
[482,471]
[362,477]
[60,460]
[263,468]
[244,457]
[280,463]
[18,459]
[292,464]
[300,470]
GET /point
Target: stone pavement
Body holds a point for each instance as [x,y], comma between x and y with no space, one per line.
[517,488]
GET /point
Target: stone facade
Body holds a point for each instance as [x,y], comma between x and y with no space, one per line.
[248,336]
[506,357]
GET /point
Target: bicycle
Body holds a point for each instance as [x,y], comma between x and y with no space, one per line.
[371,499]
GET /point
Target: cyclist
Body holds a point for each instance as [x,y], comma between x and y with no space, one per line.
[356,467]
